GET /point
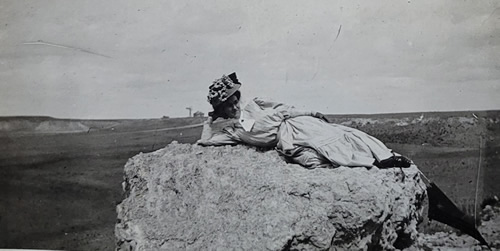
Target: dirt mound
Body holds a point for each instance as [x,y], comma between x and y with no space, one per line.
[489,228]
[61,126]
[436,131]
[41,125]
[16,124]
[188,197]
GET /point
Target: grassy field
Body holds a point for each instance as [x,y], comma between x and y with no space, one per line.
[59,191]
[61,179]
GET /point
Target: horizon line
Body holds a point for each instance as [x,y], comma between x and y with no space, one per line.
[328,114]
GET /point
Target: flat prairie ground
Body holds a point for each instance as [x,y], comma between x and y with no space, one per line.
[59,190]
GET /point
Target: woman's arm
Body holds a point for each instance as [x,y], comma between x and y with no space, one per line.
[206,133]
[208,138]
[289,111]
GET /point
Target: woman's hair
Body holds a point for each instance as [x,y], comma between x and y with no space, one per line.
[219,110]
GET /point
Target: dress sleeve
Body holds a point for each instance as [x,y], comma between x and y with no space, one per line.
[268,103]
[208,138]
[287,111]
[218,140]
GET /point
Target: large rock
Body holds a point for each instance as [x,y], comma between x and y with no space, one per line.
[225,198]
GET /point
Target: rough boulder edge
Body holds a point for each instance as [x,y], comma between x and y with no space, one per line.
[187,197]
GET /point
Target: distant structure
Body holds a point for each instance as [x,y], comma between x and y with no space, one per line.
[165,117]
[189,108]
[198,114]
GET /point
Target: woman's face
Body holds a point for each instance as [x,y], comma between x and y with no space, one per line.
[231,107]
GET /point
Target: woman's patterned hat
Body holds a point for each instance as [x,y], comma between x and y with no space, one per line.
[223,88]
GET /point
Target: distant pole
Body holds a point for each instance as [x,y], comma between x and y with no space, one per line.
[477,177]
[478,173]
[189,108]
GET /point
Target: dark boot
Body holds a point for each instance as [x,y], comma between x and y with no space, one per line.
[394,161]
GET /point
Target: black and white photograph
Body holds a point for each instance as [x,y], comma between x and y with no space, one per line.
[249,125]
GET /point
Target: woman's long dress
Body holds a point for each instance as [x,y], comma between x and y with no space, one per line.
[301,137]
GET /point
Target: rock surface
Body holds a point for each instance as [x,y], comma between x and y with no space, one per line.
[489,228]
[186,197]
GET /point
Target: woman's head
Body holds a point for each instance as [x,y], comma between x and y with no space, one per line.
[229,108]
[224,96]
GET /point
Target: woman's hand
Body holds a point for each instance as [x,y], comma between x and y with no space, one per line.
[321,116]
[209,120]
[213,115]
[284,114]
[206,132]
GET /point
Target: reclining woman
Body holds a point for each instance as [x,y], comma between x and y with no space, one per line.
[302,137]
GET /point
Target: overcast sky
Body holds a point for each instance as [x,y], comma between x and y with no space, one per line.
[147,59]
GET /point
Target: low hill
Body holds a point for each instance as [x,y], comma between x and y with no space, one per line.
[54,125]
[45,124]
